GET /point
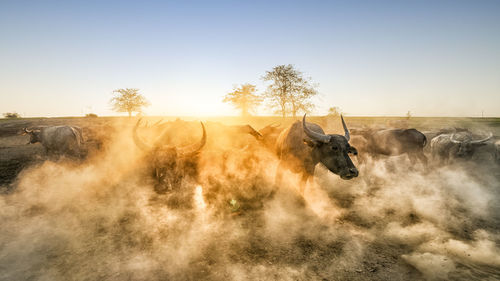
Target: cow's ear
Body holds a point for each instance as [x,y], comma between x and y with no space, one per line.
[310,142]
[352,150]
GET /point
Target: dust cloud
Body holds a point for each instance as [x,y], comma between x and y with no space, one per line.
[102,220]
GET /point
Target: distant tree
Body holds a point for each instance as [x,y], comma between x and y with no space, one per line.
[408,115]
[128,100]
[289,91]
[334,111]
[11,115]
[244,98]
[91,115]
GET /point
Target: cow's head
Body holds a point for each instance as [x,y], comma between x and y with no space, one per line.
[466,148]
[169,162]
[34,135]
[332,151]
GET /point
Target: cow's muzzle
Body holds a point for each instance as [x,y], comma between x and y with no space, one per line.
[350,174]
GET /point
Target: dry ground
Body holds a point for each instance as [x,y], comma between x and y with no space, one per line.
[99,219]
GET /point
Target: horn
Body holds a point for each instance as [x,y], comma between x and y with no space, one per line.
[346,131]
[250,130]
[137,140]
[193,149]
[27,131]
[453,140]
[313,135]
[490,135]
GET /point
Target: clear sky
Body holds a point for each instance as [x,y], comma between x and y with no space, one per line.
[434,58]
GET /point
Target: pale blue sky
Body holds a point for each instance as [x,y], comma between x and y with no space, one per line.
[435,58]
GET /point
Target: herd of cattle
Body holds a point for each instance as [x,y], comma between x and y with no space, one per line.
[299,148]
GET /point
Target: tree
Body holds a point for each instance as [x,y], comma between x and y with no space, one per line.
[11,115]
[244,98]
[289,91]
[334,111]
[128,100]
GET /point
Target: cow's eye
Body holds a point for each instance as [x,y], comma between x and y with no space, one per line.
[335,148]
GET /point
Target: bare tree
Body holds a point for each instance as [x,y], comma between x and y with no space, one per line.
[300,100]
[244,98]
[289,91]
[128,100]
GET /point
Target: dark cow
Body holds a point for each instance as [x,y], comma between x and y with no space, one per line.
[171,164]
[394,142]
[58,140]
[461,145]
[303,145]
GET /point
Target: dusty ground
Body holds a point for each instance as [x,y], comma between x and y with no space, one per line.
[100,219]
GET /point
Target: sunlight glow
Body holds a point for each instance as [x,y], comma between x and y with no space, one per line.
[198,198]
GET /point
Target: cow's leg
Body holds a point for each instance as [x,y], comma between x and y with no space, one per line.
[423,159]
[413,160]
[437,158]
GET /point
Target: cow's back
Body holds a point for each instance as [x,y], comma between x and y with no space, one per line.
[397,141]
[414,139]
[386,142]
[63,139]
[290,146]
[441,145]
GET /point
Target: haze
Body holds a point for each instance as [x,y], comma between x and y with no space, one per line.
[434,58]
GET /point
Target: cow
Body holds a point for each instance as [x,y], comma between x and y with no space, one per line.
[461,145]
[170,164]
[58,140]
[303,145]
[394,142]
[434,133]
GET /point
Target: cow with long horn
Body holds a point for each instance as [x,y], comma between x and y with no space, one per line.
[170,164]
[461,145]
[303,145]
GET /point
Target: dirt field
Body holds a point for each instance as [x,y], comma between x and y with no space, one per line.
[100,219]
